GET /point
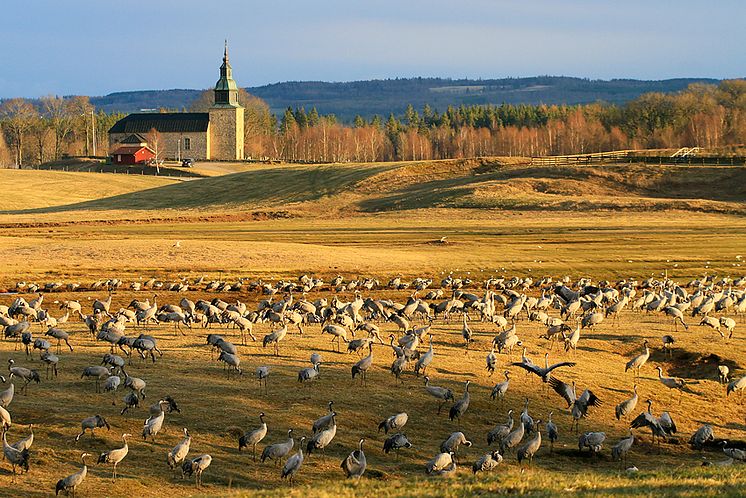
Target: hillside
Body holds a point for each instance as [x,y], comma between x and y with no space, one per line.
[347,99]
[343,190]
[42,189]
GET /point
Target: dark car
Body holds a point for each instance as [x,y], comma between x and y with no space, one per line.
[187,163]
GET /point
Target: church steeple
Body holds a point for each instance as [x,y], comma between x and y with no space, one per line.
[226,90]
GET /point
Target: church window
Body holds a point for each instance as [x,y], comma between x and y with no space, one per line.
[187,144]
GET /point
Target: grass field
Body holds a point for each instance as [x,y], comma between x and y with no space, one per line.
[380,220]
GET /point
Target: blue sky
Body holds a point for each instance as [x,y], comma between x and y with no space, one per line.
[94,47]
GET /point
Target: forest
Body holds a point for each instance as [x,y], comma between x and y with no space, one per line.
[703,115]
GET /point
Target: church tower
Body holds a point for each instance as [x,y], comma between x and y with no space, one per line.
[226,117]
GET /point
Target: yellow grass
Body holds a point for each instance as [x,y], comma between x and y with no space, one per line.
[345,219]
[29,189]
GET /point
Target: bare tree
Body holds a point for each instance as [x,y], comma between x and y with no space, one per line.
[155,142]
[61,119]
[18,116]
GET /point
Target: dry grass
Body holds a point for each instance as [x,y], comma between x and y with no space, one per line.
[375,220]
[28,189]
[212,401]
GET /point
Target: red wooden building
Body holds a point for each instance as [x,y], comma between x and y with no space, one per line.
[132,150]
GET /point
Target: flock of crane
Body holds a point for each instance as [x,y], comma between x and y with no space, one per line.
[565,309]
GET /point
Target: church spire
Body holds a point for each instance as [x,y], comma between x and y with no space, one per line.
[226,90]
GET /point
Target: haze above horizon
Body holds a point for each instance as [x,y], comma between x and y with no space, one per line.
[95,48]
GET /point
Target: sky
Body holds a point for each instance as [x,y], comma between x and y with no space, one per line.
[95,47]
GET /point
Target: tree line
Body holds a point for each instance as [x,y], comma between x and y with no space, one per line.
[49,128]
[708,116]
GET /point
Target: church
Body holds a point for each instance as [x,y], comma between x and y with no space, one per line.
[214,135]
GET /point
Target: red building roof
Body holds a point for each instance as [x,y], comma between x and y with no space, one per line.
[131,150]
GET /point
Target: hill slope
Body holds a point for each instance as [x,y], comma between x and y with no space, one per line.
[341,190]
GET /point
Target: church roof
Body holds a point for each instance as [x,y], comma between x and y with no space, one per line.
[172,122]
[134,139]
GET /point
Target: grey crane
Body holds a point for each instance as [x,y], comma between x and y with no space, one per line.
[278,450]
[6,396]
[737,385]
[196,466]
[98,373]
[636,363]
[713,323]
[17,458]
[395,443]
[487,462]
[394,422]
[439,462]
[702,436]
[723,372]
[131,400]
[398,365]
[501,387]
[362,366]
[115,456]
[233,362]
[454,442]
[337,332]
[154,423]
[526,419]
[293,464]
[677,315]
[627,406]
[92,423]
[735,453]
[42,345]
[5,421]
[528,449]
[591,320]
[728,324]
[581,405]
[459,408]
[322,439]
[136,384]
[466,333]
[668,342]
[355,463]
[71,482]
[254,437]
[315,358]
[26,374]
[592,440]
[578,405]
[500,431]
[178,453]
[274,338]
[491,360]
[25,443]
[672,382]
[324,421]
[543,373]
[309,374]
[552,432]
[620,450]
[442,393]
[60,335]
[424,360]
[512,439]
[571,341]
[262,373]
[111,385]
[51,361]
[661,427]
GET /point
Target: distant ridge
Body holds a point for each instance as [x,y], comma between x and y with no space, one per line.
[347,99]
